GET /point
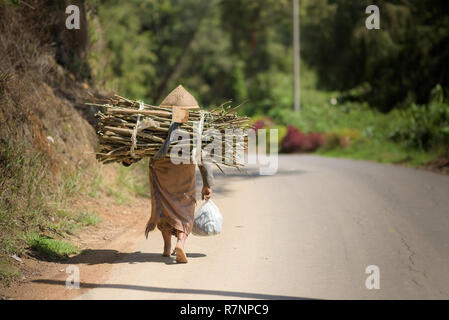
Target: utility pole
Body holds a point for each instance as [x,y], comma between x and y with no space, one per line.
[296,53]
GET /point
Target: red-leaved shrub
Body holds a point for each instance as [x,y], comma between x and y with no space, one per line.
[259,124]
[264,123]
[296,141]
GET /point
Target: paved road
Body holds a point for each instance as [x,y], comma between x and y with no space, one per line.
[309,231]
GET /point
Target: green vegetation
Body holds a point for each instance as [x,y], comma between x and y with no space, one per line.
[396,65]
[368,94]
[384,152]
[415,135]
[49,247]
[152,46]
[370,87]
[8,272]
[94,188]
[425,126]
[31,204]
[130,182]
[69,220]
[22,199]
[88,218]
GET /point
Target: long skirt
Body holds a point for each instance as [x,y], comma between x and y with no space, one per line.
[172,196]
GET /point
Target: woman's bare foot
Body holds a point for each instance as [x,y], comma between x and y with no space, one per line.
[166,234]
[166,252]
[181,256]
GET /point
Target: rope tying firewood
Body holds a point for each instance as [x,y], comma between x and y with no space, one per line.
[134,135]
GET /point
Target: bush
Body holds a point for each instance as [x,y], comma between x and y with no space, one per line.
[341,138]
[424,127]
[261,122]
[282,132]
[296,141]
[285,116]
[264,122]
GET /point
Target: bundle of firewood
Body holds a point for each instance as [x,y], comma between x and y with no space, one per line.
[132,129]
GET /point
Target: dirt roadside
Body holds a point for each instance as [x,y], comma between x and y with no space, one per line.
[121,226]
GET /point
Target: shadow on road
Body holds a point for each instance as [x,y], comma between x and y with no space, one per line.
[253,173]
[222,181]
[245,295]
[102,256]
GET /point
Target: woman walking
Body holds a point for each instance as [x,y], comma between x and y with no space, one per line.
[173,187]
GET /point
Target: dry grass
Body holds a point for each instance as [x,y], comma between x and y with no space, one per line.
[39,90]
[47,156]
[37,94]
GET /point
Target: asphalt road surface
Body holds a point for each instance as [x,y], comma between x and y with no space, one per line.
[310,231]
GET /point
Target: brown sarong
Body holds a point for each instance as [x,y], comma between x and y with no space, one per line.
[172,196]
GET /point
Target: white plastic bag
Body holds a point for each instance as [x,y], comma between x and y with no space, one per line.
[208,220]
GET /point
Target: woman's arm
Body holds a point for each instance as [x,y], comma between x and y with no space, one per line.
[206,174]
[208,179]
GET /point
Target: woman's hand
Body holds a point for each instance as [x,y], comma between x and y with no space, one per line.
[206,193]
[128,161]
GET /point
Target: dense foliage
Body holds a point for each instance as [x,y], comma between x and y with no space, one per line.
[401,62]
[241,50]
[220,50]
[424,126]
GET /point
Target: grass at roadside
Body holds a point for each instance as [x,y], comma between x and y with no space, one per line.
[383,152]
[50,247]
[130,182]
[8,272]
[89,218]
[38,214]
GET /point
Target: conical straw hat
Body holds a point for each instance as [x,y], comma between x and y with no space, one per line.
[180,98]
